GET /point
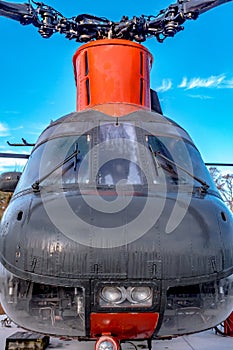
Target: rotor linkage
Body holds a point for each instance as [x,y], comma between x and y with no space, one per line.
[85,27]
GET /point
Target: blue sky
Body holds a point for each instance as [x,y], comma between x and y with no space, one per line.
[192,72]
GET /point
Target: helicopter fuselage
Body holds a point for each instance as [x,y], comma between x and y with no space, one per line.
[116,230]
[116,239]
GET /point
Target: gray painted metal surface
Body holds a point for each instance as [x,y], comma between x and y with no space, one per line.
[174,234]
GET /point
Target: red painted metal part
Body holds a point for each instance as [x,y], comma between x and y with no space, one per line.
[228,326]
[112,72]
[124,325]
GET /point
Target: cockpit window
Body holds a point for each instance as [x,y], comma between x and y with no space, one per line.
[182,153]
[119,171]
[114,154]
[48,166]
[118,153]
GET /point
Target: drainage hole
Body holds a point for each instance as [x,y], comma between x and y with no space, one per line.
[20,215]
[223,215]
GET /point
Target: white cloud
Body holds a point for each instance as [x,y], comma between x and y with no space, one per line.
[210,82]
[9,164]
[227,84]
[3,130]
[166,85]
[201,97]
[11,112]
[18,127]
[214,81]
[183,84]
[12,164]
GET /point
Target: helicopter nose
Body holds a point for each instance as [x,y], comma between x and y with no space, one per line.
[74,236]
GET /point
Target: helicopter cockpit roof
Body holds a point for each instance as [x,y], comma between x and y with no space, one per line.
[83,122]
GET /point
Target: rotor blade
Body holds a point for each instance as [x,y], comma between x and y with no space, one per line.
[202,6]
[14,11]
[219,164]
[14,155]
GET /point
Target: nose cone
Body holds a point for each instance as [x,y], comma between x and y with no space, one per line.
[73,235]
[63,236]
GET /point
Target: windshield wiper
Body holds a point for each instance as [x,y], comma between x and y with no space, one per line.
[155,160]
[203,183]
[36,184]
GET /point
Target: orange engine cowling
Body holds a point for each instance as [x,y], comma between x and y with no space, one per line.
[113,72]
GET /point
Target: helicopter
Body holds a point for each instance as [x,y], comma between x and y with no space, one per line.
[9,180]
[115,230]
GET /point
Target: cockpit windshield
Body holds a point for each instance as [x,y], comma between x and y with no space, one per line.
[179,161]
[119,159]
[114,154]
[48,164]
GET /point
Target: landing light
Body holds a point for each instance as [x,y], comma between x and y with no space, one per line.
[114,296]
[139,294]
[107,343]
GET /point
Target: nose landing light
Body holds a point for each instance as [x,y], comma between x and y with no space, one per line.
[107,342]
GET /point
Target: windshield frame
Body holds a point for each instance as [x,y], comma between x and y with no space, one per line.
[145,161]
